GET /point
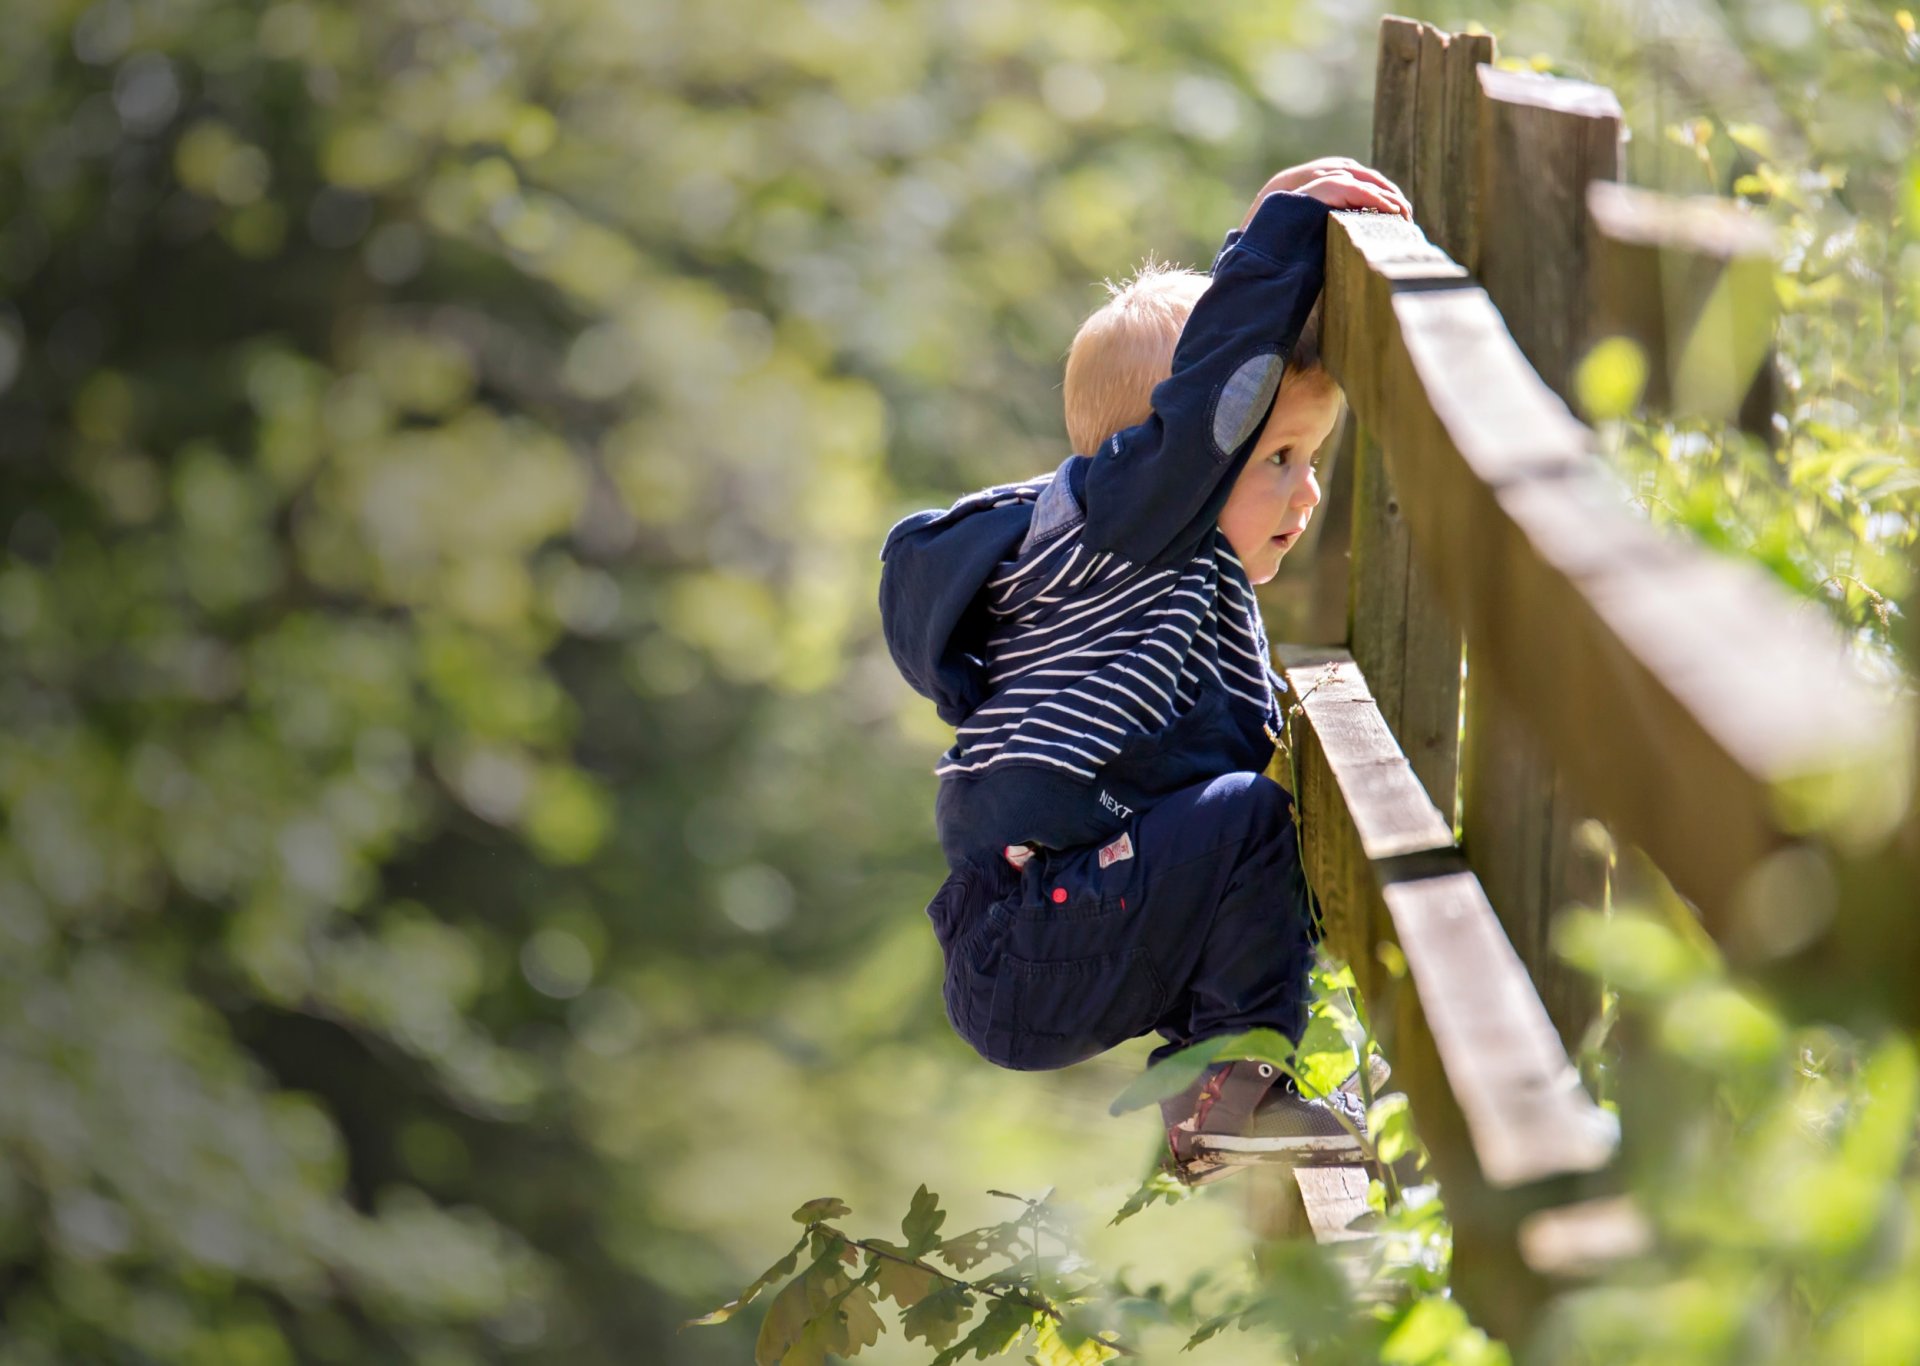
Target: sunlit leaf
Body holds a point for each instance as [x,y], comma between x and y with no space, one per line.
[968,1250]
[818,1211]
[860,1324]
[1056,1345]
[1390,1128]
[786,1320]
[1162,1186]
[905,1284]
[921,1225]
[1001,1326]
[1721,1029]
[1174,1074]
[780,1270]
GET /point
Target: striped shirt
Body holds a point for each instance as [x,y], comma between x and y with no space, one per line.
[1087,649]
[1089,634]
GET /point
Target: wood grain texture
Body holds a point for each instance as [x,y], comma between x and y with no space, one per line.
[1326,617]
[1396,100]
[1542,141]
[1682,694]
[1409,646]
[1547,140]
[1497,1103]
[1502,1069]
[1335,1200]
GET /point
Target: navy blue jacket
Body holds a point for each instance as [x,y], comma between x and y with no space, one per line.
[1090,633]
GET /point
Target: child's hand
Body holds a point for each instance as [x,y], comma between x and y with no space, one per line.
[1339,183]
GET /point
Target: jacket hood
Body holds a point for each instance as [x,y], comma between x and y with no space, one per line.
[933,566]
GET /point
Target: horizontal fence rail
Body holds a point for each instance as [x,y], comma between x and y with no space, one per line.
[1704,714]
[1612,671]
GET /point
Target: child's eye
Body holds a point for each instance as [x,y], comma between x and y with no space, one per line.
[1279,457]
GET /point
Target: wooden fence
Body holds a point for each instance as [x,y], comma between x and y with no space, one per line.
[1611,672]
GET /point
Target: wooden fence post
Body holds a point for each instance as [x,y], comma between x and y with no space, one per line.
[1403,641]
[1542,140]
[1711,722]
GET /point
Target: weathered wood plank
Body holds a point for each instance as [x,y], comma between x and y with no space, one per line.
[1326,615]
[1690,281]
[1503,1069]
[1378,584]
[1504,1062]
[1542,141]
[1496,1100]
[1431,173]
[1449,145]
[1335,1200]
[1517,815]
[1407,644]
[1396,101]
[1507,814]
[1682,693]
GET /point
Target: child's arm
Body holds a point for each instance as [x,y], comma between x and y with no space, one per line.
[1156,488]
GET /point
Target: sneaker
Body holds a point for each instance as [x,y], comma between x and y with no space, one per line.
[1236,1114]
[1377,1074]
[1284,1113]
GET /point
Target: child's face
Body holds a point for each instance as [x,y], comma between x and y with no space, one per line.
[1273,499]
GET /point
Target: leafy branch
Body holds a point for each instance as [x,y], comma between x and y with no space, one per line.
[826,1308]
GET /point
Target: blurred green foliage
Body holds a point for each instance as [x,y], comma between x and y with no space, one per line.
[462,839]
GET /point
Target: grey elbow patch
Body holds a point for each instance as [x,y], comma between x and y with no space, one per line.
[1244,400]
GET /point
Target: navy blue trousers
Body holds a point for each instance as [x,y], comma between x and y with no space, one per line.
[1197,926]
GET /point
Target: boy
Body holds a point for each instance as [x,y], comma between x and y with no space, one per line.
[1119,863]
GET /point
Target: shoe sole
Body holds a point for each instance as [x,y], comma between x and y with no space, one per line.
[1318,1150]
[1218,1156]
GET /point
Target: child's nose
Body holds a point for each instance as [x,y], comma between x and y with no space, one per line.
[1306,493]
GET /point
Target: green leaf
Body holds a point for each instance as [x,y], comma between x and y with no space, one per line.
[1752,137]
[859,1322]
[1168,1077]
[1210,1329]
[816,1339]
[1171,1076]
[1056,1345]
[1721,1029]
[815,1211]
[936,1320]
[975,1246]
[1426,1334]
[993,1335]
[787,1318]
[1883,1129]
[903,1281]
[1630,951]
[778,1271]
[809,1296]
[921,1226]
[1162,1186]
[1390,1125]
[1611,378]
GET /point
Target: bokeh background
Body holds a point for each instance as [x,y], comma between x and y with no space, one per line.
[464,843]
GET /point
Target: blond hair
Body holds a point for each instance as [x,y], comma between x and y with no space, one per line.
[1125,347]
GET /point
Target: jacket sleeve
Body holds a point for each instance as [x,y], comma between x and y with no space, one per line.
[1155,489]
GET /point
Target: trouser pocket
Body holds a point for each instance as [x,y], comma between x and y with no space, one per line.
[1064,1011]
[975,990]
[970,915]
